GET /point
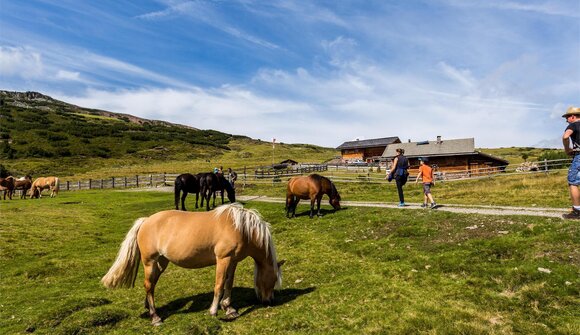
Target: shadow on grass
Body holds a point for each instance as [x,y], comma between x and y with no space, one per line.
[323,211]
[242,298]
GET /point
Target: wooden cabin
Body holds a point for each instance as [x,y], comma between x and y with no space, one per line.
[365,151]
[456,156]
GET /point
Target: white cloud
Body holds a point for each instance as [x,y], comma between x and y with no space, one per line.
[20,62]
[68,75]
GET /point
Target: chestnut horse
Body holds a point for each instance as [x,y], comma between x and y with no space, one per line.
[7,186]
[23,184]
[210,183]
[311,187]
[186,183]
[41,183]
[224,237]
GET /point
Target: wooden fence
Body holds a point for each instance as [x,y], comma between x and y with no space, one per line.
[340,174]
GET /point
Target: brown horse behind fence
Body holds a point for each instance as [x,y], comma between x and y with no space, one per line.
[24,184]
[311,187]
[42,183]
[7,186]
[224,237]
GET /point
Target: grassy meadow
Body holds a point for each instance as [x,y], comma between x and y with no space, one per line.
[354,271]
[530,190]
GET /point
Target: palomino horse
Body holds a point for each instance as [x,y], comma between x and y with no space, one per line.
[41,183]
[186,183]
[312,187]
[23,184]
[7,186]
[224,237]
[210,183]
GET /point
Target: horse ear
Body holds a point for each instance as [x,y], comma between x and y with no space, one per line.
[280,263]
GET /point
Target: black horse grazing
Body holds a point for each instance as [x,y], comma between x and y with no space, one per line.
[311,187]
[210,183]
[186,183]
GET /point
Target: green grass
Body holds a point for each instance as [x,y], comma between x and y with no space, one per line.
[532,190]
[358,270]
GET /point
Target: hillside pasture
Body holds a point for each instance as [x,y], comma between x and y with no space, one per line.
[357,270]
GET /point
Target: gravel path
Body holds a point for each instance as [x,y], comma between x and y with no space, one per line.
[468,209]
[486,210]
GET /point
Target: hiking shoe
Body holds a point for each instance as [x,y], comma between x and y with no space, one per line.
[402,204]
[433,205]
[573,215]
[424,206]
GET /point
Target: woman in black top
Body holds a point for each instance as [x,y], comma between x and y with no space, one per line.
[399,173]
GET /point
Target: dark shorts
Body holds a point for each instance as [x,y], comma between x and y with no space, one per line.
[427,188]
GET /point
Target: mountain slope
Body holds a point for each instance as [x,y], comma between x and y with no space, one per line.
[35,125]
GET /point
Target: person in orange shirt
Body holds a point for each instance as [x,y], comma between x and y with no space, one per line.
[426,174]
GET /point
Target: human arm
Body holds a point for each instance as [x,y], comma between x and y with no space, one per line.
[566,141]
[419,175]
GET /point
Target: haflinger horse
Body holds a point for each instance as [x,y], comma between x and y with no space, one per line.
[222,237]
[210,183]
[41,183]
[7,186]
[186,183]
[311,187]
[23,184]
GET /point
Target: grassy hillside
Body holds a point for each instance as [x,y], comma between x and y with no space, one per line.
[40,135]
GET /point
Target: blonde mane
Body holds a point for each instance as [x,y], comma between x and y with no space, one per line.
[250,223]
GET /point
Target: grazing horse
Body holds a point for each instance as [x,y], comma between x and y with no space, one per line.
[41,183]
[311,187]
[210,183]
[24,184]
[222,237]
[7,186]
[186,183]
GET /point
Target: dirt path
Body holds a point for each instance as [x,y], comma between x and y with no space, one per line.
[486,210]
[454,208]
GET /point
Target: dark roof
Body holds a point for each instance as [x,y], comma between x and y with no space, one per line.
[375,142]
[289,161]
[464,146]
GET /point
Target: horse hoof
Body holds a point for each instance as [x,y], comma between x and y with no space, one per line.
[157,322]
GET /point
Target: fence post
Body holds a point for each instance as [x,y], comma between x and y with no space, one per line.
[164,179]
[137,180]
[546,165]
[113,179]
[79,185]
[125,182]
[151,180]
[68,185]
[90,184]
[101,184]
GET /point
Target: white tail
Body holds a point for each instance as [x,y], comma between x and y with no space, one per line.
[123,272]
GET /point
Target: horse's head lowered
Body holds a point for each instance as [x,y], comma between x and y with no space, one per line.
[334,197]
[267,278]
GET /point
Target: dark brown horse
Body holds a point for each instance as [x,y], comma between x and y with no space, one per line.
[7,186]
[186,183]
[312,187]
[23,184]
[210,183]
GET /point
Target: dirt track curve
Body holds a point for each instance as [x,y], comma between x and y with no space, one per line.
[485,210]
[468,209]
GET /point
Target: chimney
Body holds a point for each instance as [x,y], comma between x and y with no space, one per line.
[439,139]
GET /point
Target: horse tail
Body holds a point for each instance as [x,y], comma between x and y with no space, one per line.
[123,272]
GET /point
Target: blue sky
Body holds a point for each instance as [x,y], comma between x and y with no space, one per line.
[319,72]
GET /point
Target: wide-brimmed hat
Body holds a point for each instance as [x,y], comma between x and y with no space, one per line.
[572,111]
